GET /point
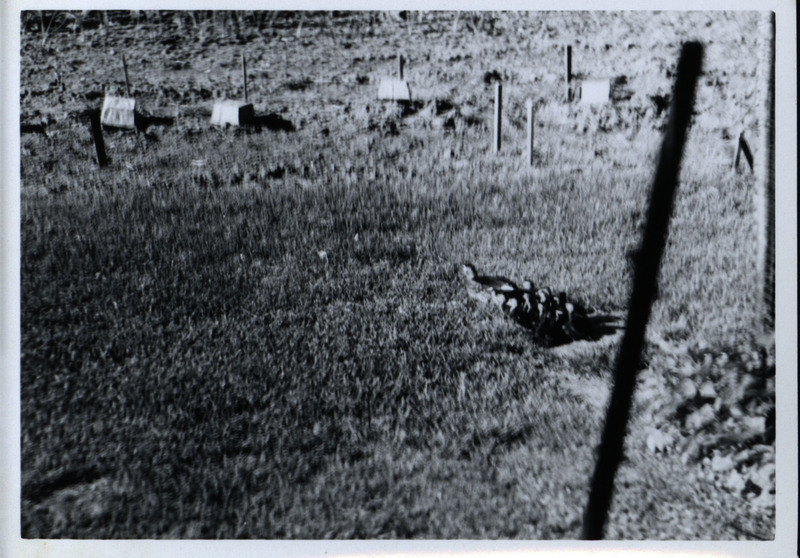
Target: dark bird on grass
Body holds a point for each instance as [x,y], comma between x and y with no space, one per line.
[553,318]
[491,282]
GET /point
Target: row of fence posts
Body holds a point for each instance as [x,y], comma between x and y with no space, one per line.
[498,123]
[498,109]
[102,158]
[741,148]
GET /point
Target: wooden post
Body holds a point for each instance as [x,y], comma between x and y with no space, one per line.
[244,76]
[400,64]
[97,134]
[568,71]
[766,175]
[645,281]
[498,116]
[529,105]
[127,83]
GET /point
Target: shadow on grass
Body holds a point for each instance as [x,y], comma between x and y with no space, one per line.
[272,122]
[144,121]
[25,128]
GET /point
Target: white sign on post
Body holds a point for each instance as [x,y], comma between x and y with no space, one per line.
[394,89]
[595,91]
[234,113]
[118,112]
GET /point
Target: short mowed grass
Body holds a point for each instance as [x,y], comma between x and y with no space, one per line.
[262,334]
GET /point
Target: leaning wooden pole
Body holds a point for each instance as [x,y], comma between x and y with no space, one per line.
[244,76]
[766,176]
[127,82]
[644,288]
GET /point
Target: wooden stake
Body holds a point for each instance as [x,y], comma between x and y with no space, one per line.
[400,66]
[645,281]
[127,83]
[498,112]
[529,105]
[738,155]
[568,71]
[97,134]
[244,76]
[742,147]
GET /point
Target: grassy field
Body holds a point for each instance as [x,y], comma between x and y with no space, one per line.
[264,333]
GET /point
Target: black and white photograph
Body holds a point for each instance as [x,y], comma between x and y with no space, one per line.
[513,276]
